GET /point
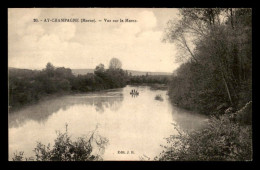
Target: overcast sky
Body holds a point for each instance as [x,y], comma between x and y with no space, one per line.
[85,45]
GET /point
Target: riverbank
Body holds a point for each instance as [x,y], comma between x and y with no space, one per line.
[29,86]
[46,97]
[222,139]
[153,86]
[226,137]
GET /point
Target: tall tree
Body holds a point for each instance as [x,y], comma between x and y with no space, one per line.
[115,64]
[221,39]
[50,69]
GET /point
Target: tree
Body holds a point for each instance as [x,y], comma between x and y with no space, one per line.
[62,72]
[50,66]
[100,68]
[49,69]
[220,38]
[100,73]
[194,25]
[115,64]
[219,69]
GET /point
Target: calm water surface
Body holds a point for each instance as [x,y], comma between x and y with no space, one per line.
[138,124]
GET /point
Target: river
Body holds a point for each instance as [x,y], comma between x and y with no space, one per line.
[137,124]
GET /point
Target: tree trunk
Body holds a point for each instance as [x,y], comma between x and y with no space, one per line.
[228,91]
[188,49]
[231,18]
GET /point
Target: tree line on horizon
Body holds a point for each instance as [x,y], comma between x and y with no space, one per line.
[29,86]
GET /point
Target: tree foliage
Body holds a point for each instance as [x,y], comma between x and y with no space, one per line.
[215,79]
[219,69]
[28,86]
[149,79]
[115,64]
[220,140]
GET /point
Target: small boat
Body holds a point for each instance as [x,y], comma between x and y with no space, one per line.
[134,93]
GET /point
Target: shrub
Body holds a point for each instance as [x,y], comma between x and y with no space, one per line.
[220,140]
[158,97]
[65,149]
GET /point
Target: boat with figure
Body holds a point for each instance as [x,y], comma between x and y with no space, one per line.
[134,92]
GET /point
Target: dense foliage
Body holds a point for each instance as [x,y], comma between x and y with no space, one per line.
[218,73]
[223,139]
[149,79]
[215,79]
[64,149]
[28,86]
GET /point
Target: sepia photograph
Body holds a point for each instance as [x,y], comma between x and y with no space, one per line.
[130,84]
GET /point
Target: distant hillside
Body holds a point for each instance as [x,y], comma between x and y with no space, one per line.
[133,72]
[18,69]
[21,72]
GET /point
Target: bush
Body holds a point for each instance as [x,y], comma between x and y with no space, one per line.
[221,140]
[158,97]
[65,149]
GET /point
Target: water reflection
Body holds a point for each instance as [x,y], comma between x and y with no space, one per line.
[40,112]
[134,95]
[188,120]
